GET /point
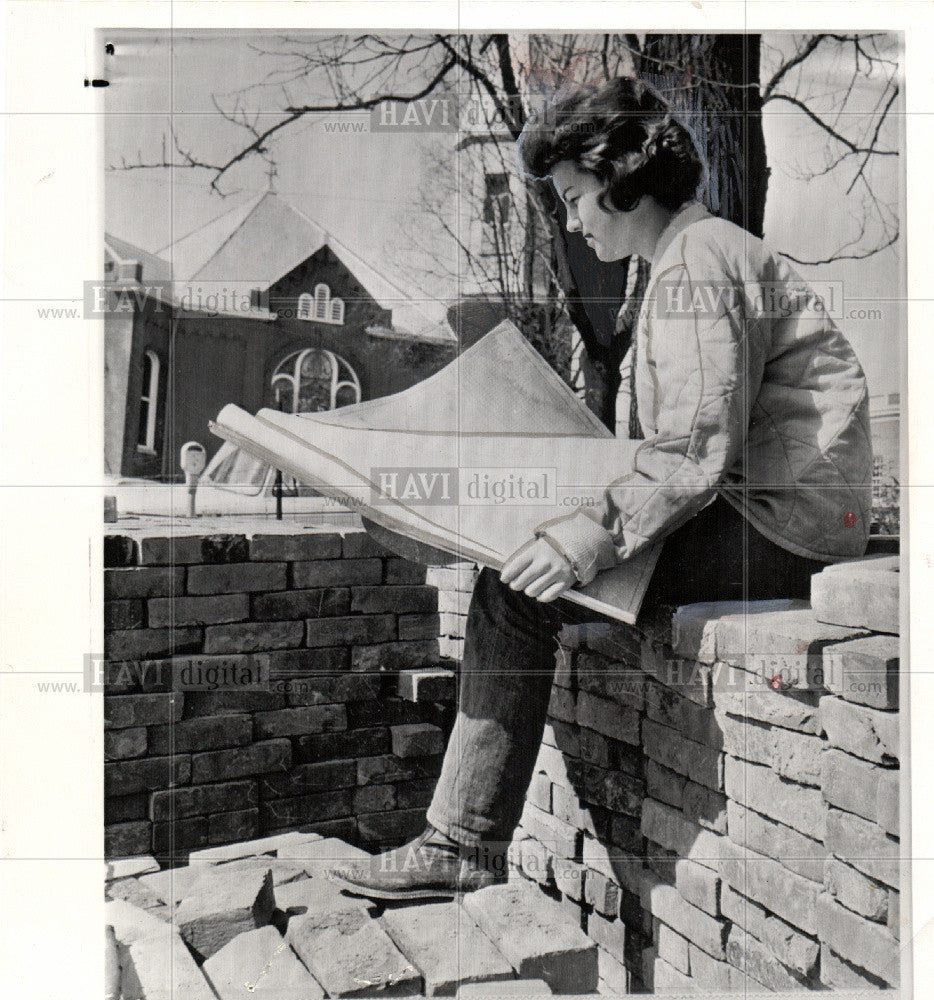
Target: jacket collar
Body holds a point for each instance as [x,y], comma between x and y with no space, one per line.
[689,212]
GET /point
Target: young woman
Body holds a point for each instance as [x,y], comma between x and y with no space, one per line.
[754,468]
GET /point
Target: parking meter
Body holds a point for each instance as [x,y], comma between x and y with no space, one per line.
[193,459]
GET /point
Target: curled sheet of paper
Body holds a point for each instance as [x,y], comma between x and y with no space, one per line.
[469,462]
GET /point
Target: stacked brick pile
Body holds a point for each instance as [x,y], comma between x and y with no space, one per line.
[263,919]
[455,585]
[259,684]
[719,802]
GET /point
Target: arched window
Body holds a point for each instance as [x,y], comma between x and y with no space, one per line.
[323,309]
[148,404]
[313,380]
[322,297]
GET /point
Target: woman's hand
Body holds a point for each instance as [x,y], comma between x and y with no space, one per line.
[540,570]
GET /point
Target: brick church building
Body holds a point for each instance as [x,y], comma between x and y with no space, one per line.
[260,307]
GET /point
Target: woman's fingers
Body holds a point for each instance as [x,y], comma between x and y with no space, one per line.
[518,562]
[555,590]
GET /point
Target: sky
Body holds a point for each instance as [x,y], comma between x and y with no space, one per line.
[359,184]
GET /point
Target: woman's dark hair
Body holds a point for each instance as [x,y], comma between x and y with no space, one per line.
[624,132]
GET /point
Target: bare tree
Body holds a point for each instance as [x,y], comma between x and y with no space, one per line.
[713,82]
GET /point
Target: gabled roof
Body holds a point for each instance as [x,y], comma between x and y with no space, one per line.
[255,244]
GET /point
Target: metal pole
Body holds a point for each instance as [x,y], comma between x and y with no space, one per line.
[277,493]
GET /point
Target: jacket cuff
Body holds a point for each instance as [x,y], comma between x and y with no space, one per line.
[587,545]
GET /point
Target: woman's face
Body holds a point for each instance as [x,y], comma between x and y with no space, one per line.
[611,235]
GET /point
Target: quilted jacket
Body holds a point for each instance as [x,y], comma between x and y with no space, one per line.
[746,388]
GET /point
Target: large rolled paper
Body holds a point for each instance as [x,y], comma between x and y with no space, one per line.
[470,461]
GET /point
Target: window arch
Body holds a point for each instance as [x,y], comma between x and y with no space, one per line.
[312,380]
[148,403]
[322,307]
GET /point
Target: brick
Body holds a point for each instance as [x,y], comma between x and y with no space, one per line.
[131,890]
[143,582]
[395,655]
[134,867]
[259,963]
[748,955]
[172,841]
[420,626]
[665,902]
[322,690]
[862,788]
[533,860]
[127,839]
[120,744]
[562,704]
[864,845]
[608,717]
[350,630]
[249,637]
[292,663]
[705,807]
[417,740]
[619,866]
[145,774]
[200,800]
[862,942]
[838,972]
[669,828]
[338,946]
[607,678]
[664,784]
[324,602]
[272,845]
[758,787]
[699,885]
[171,885]
[172,550]
[452,624]
[538,793]
[397,599]
[373,798]
[121,808]
[215,703]
[707,972]
[308,778]
[299,721]
[223,904]
[119,550]
[614,979]
[295,548]
[161,967]
[530,932]
[415,794]
[564,738]
[794,949]
[259,758]
[673,948]
[790,709]
[861,731]
[124,614]
[594,747]
[894,922]
[148,643]
[602,893]
[452,602]
[401,571]
[766,881]
[700,763]
[625,832]
[371,743]
[421,685]
[612,789]
[669,708]
[200,734]
[609,934]
[227,826]
[568,876]
[336,573]
[236,578]
[794,755]
[391,827]
[856,891]
[861,594]
[176,611]
[864,671]
[302,809]
[560,838]
[794,850]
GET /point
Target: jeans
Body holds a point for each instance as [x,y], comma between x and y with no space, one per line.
[509,662]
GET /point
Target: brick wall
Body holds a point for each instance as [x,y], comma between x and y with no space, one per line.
[260,683]
[717,798]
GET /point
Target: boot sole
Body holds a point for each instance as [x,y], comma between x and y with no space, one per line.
[358,890]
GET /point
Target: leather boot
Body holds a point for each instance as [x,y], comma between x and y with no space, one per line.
[431,866]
